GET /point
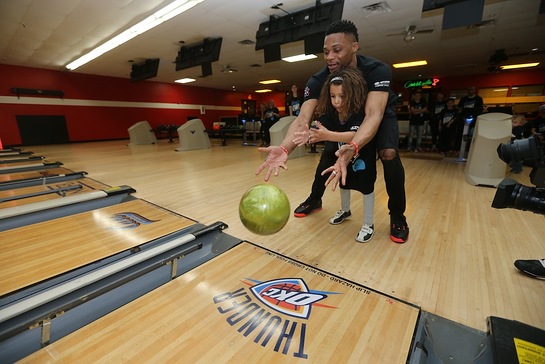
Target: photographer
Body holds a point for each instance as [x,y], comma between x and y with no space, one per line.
[511,194]
[537,126]
[518,127]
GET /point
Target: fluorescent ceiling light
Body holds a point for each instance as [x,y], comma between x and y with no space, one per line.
[521,65]
[175,8]
[263,90]
[501,90]
[268,82]
[185,80]
[299,58]
[410,64]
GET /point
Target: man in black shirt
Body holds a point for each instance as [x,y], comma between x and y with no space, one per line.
[380,122]
[470,106]
[435,111]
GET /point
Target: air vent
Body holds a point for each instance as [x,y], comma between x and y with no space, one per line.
[255,65]
[483,24]
[375,9]
[246,42]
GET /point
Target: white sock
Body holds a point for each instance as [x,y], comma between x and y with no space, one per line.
[345,199]
[368,207]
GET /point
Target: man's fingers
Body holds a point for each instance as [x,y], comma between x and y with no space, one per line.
[268,174]
[343,174]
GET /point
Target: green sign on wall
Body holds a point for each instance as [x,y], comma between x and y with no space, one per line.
[427,82]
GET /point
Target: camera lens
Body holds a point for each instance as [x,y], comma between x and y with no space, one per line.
[511,194]
[520,150]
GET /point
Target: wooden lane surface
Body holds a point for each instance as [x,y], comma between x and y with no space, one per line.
[210,314]
[55,189]
[56,246]
[39,173]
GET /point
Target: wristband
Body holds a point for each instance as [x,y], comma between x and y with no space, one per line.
[284,149]
[356,147]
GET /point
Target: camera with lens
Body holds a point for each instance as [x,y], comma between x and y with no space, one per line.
[511,194]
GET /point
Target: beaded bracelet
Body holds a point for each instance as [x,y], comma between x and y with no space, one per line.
[284,149]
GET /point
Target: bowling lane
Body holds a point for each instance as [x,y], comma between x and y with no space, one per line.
[28,178]
[18,161]
[45,192]
[247,305]
[13,151]
[20,158]
[31,166]
[56,246]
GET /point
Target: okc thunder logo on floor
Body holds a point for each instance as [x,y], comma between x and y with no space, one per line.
[289,296]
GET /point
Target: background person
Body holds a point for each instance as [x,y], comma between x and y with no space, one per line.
[537,126]
[518,122]
[294,101]
[418,116]
[447,127]
[270,116]
[469,106]
[435,111]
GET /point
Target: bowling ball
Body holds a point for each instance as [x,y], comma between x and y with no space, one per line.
[264,209]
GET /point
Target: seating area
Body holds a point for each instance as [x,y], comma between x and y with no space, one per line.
[249,132]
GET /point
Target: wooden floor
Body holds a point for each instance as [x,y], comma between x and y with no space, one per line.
[458,262]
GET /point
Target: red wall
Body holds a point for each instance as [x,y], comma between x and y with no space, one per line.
[86,121]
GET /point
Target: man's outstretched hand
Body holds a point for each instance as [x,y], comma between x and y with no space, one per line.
[276,159]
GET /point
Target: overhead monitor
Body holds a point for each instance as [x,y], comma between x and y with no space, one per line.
[308,24]
[143,71]
[198,54]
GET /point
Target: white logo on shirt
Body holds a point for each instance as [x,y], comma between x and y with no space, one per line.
[382,84]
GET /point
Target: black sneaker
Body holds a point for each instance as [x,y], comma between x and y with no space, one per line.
[535,268]
[399,230]
[339,217]
[306,208]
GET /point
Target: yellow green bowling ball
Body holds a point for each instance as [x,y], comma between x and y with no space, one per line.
[264,209]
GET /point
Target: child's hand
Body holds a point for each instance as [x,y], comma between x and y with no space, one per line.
[318,133]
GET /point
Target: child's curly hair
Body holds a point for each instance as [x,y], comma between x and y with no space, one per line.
[354,90]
